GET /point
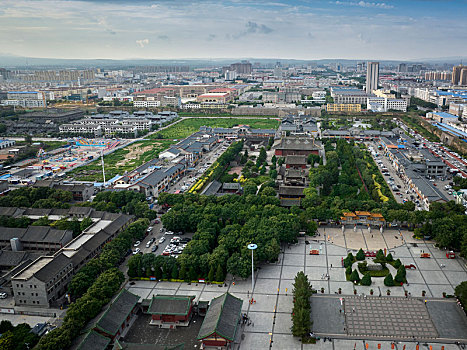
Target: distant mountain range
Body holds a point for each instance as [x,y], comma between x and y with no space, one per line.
[11,61]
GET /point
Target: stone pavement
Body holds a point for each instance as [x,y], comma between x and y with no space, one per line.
[388,317]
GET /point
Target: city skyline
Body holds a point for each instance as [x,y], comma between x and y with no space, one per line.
[373,30]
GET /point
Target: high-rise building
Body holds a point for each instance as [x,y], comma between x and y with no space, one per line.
[402,67]
[463,77]
[243,67]
[372,76]
[456,74]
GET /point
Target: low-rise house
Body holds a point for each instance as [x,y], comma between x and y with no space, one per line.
[221,323]
[118,316]
[169,311]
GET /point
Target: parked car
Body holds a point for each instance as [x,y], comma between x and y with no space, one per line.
[3,295]
[149,229]
[148,244]
[154,248]
[157,221]
[137,243]
[162,240]
[136,251]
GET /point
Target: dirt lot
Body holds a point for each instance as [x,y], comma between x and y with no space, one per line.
[135,152]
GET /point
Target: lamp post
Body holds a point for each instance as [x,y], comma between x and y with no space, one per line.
[252,247]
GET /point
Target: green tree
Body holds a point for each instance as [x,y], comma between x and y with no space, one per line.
[211,273]
[397,263]
[366,280]
[220,274]
[192,274]
[389,258]
[28,139]
[182,274]
[461,292]
[360,255]
[389,281]
[354,277]
[348,270]
[380,256]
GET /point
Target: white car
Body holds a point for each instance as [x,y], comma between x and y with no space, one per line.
[3,295]
[169,233]
[136,251]
[137,243]
[162,240]
[149,229]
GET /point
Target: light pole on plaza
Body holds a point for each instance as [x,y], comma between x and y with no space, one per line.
[252,247]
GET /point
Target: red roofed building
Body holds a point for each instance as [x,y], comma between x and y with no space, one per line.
[215,97]
[156,92]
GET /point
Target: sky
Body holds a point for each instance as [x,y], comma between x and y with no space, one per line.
[294,29]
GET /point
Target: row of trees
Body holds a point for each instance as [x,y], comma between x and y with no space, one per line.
[168,268]
[83,310]
[112,254]
[301,323]
[40,197]
[224,226]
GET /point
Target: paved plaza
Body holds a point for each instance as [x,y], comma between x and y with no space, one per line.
[270,315]
[388,317]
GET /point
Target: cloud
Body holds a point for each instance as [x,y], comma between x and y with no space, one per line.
[211,37]
[253,27]
[381,5]
[162,37]
[142,43]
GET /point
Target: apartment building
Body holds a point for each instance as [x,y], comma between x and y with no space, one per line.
[352,96]
[344,107]
[27,99]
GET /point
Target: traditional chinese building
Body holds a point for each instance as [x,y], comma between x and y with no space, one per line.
[171,311]
[221,323]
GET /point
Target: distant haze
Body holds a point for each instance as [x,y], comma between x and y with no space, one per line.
[178,29]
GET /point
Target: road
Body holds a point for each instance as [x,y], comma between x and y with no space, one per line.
[203,164]
[386,162]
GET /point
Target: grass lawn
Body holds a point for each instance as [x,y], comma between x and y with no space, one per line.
[188,126]
[124,159]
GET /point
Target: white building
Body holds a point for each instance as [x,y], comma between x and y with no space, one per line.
[372,76]
[383,104]
[27,99]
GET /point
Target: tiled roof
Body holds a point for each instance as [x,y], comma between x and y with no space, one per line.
[111,321]
[222,318]
[94,341]
[170,305]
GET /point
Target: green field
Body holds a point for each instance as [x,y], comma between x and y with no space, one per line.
[124,159]
[188,126]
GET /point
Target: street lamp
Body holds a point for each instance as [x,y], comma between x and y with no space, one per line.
[252,247]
